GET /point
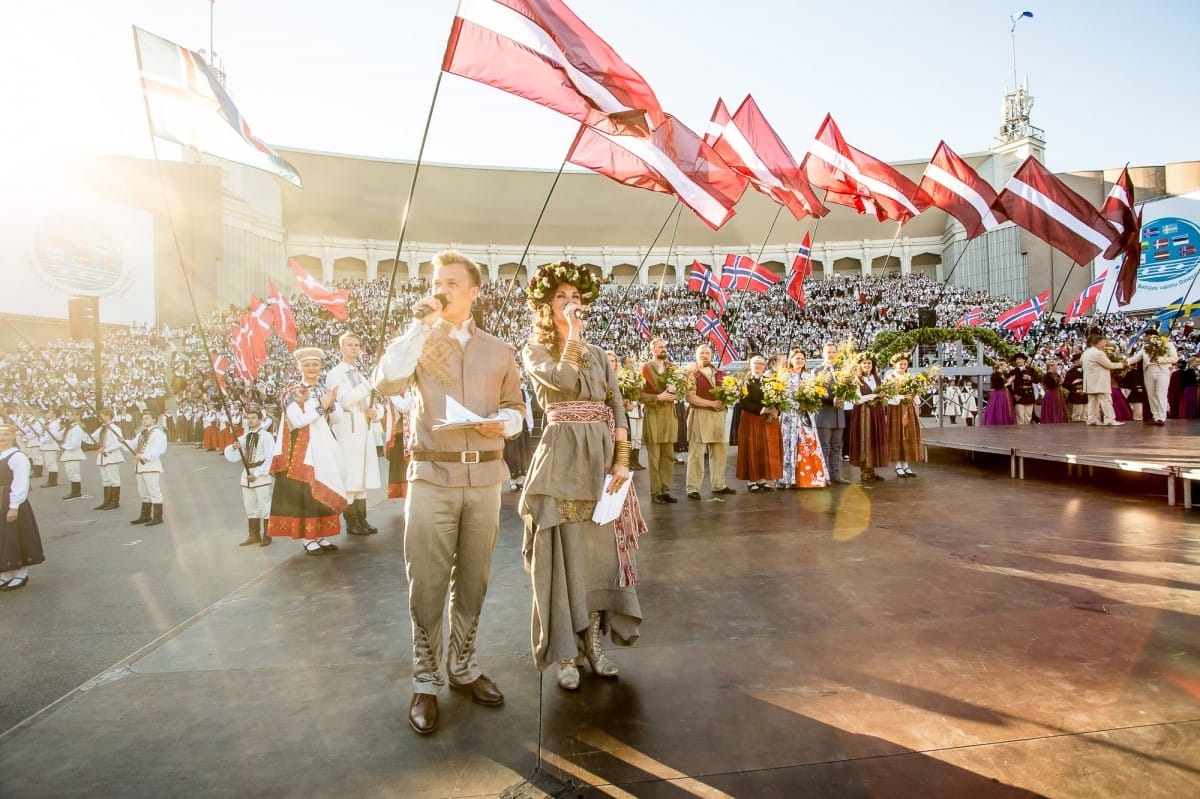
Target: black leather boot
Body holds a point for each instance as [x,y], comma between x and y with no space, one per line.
[156,514]
[361,505]
[115,500]
[107,499]
[145,517]
[255,536]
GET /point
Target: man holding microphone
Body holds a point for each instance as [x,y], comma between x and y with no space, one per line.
[452,511]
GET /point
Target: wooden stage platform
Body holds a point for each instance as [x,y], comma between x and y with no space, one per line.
[1172,451]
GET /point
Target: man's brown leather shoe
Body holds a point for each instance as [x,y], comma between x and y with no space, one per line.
[484,692]
[423,713]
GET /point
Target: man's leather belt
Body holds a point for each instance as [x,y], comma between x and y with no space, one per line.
[471,456]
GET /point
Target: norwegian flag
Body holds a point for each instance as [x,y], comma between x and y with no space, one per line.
[972,318]
[539,50]
[285,320]
[753,149]
[711,328]
[672,160]
[858,180]
[220,365]
[187,104]
[801,268]
[740,272]
[1042,204]
[643,327]
[1021,317]
[1118,211]
[957,189]
[332,301]
[702,281]
[1084,302]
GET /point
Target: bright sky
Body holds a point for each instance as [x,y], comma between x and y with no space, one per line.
[1113,81]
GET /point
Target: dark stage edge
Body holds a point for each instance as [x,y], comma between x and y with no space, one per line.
[955,635]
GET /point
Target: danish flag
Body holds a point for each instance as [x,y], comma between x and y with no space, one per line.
[220,365]
[332,301]
[702,281]
[285,320]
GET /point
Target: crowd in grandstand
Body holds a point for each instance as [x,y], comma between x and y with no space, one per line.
[161,367]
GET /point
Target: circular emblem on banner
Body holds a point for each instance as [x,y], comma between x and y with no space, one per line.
[77,254]
[1168,251]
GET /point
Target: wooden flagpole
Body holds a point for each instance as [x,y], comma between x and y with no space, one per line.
[187,281]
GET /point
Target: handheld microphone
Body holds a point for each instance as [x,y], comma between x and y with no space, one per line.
[425,310]
[580,313]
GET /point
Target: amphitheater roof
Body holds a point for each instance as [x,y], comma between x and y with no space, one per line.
[360,197]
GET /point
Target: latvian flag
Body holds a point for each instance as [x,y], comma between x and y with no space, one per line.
[711,328]
[1039,202]
[643,327]
[1084,302]
[740,272]
[972,318]
[702,281]
[1021,317]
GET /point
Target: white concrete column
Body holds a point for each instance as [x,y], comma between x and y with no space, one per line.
[827,261]
[372,260]
[865,260]
[906,257]
[327,260]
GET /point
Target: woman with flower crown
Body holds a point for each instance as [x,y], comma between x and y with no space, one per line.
[760,443]
[803,465]
[868,425]
[904,426]
[584,573]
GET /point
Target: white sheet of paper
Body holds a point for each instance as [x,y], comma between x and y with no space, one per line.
[457,416]
[609,506]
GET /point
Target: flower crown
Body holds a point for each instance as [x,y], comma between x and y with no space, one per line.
[550,276]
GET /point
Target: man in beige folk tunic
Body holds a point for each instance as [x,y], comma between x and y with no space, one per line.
[660,427]
[1097,382]
[706,427]
[452,511]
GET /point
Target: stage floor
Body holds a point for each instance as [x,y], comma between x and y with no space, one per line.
[1170,451]
[955,635]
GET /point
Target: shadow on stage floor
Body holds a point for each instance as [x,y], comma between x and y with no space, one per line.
[957,635]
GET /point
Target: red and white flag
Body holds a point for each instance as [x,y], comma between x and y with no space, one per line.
[957,189]
[285,320]
[742,273]
[239,358]
[263,315]
[801,268]
[1118,211]
[712,329]
[858,180]
[255,341]
[539,50]
[332,301]
[1086,299]
[752,148]
[1021,316]
[702,281]
[1039,202]
[673,160]
[188,105]
[972,318]
[220,366]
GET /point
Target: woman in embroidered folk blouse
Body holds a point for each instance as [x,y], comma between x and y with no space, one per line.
[583,573]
